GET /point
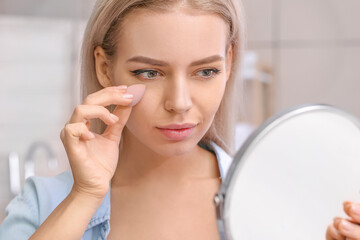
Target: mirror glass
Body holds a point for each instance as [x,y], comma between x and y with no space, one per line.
[291,176]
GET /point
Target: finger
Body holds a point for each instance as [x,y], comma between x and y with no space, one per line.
[83,113]
[110,95]
[352,210]
[73,132]
[347,228]
[114,131]
[332,233]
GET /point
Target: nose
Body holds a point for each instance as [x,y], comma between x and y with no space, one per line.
[178,95]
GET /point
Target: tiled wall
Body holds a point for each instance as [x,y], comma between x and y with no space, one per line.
[313,47]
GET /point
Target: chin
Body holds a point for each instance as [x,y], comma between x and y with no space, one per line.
[172,149]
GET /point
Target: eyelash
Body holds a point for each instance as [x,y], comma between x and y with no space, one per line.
[215,72]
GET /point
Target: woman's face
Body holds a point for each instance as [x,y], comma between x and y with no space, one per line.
[180,57]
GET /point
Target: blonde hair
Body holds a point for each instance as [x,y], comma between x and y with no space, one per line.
[103,30]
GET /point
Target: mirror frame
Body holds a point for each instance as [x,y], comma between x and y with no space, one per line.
[223,195]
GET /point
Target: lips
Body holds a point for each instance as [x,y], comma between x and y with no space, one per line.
[178,126]
[177,132]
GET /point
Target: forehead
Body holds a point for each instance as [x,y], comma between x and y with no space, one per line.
[171,34]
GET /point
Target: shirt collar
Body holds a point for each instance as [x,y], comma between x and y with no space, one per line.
[224,159]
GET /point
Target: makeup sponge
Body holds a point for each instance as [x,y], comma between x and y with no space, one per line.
[138,91]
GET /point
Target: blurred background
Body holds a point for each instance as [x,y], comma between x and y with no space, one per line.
[299,51]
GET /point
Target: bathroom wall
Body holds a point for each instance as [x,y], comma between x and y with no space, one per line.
[313,47]
[39,76]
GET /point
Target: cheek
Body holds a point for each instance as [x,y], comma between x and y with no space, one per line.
[139,122]
[210,98]
[144,111]
[121,76]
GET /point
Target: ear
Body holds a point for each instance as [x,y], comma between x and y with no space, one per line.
[102,67]
[229,57]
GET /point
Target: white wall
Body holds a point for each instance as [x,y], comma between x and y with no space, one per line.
[39,76]
[313,47]
[38,72]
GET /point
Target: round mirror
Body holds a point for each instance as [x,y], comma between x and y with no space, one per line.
[290,178]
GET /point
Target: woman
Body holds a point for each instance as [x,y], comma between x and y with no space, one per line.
[160,162]
[159,181]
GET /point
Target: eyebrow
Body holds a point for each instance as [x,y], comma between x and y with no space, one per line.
[154,62]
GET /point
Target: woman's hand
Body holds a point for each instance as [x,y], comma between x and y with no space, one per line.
[93,157]
[348,229]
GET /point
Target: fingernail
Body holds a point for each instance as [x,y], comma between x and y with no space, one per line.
[114,117]
[91,135]
[127,95]
[121,87]
[345,225]
[347,206]
[337,221]
[355,209]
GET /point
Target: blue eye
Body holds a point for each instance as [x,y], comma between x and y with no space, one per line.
[208,73]
[152,74]
[147,74]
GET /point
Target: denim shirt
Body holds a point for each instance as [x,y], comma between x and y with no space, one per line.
[41,195]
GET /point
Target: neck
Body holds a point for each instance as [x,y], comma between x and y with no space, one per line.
[138,163]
